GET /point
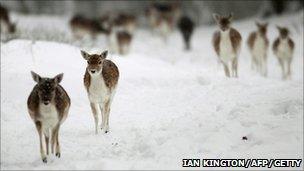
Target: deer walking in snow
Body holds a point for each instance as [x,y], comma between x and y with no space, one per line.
[258,46]
[283,48]
[227,44]
[48,106]
[100,80]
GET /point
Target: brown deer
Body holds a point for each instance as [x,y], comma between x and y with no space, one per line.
[162,17]
[100,80]
[258,46]
[82,26]
[48,106]
[126,22]
[124,40]
[6,25]
[283,48]
[227,44]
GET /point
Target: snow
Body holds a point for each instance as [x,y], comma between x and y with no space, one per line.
[169,105]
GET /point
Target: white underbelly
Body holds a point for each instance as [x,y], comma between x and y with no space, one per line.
[98,91]
[49,117]
[259,48]
[284,51]
[226,51]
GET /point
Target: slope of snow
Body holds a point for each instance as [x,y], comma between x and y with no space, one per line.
[169,105]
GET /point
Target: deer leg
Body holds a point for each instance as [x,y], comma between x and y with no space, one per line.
[53,139]
[106,111]
[226,69]
[288,69]
[235,67]
[58,153]
[102,116]
[282,66]
[47,144]
[265,66]
[94,108]
[42,152]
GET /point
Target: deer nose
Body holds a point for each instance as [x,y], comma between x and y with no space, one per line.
[93,71]
[46,102]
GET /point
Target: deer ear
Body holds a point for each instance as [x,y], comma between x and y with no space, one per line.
[230,17]
[58,78]
[216,17]
[104,54]
[36,77]
[85,55]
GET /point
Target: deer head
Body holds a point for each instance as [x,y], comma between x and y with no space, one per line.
[262,28]
[95,62]
[46,87]
[222,21]
[283,31]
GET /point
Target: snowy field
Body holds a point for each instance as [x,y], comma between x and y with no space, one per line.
[169,105]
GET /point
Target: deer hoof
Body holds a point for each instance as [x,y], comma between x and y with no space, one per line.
[58,154]
[44,160]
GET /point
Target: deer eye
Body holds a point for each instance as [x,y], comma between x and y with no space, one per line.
[99,62]
[88,62]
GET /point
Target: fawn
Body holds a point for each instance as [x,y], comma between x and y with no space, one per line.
[186,26]
[258,46]
[100,80]
[6,25]
[283,48]
[48,106]
[227,44]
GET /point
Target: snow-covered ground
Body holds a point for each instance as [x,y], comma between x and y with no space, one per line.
[169,105]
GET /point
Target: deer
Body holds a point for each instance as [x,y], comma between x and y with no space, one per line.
[227,44]
[48,106]
[100,81]
[6,25]
[186,27]
[82,26]
[258,44]
[124,40]
[162,17]
[126,22]
[283,48]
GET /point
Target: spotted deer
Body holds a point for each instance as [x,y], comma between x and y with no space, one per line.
[48,106]
[258,46]
[100,80]
[283,48]
[227,44]
[6,24]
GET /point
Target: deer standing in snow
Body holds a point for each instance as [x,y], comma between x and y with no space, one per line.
[186,26]
[48,106]
[100,80]
[121,33]
[283,48]
[258,46]
[227,44]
